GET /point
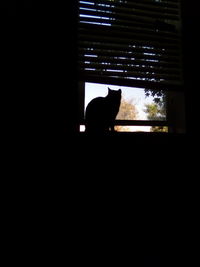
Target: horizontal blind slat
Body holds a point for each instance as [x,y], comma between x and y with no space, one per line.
[139,8]
[130,35]
[143,16]
[152,5]
[130,52]
[134,75]
[170,66]
[139,83]
[134,27]
[136,70]
[139,40]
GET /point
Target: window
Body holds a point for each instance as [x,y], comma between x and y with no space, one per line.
[134,44]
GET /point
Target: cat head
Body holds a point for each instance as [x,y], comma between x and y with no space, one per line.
[114,92]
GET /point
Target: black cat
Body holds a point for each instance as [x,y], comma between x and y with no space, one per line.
[101,112]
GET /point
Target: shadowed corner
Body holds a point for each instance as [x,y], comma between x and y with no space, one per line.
[152,261]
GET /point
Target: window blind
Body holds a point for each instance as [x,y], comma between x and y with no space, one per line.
[130,42]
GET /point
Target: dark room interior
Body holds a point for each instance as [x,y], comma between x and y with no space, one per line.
[132,194]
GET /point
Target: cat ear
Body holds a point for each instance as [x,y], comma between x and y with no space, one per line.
[120,90]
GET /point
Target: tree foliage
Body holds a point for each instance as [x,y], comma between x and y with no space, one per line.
[128,111]
[156,112]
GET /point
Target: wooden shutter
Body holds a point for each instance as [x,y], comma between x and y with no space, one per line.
[130,42]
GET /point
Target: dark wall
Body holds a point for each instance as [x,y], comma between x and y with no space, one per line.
[191,46]
[40,51]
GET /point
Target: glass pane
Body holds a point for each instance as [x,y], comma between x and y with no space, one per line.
[136,103]
[131,128]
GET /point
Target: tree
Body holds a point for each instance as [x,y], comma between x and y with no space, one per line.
[128,111]
[156,111]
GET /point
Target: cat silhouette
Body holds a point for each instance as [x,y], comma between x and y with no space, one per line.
[101,112]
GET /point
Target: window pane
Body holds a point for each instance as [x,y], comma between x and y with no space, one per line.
[131,128]
[136,103]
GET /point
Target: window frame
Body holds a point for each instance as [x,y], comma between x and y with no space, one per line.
[173,125]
